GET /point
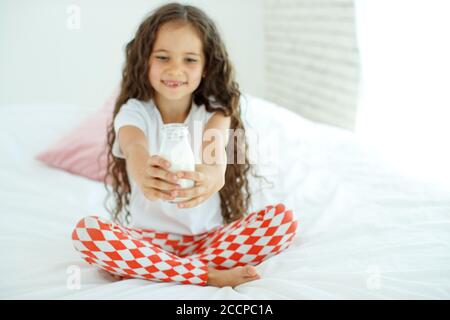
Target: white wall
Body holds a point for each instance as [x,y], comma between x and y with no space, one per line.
[43,59]
[404,110]
[312,59]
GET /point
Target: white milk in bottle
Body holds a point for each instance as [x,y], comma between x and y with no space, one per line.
[176,148]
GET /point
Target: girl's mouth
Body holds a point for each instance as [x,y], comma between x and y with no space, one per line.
[173,84]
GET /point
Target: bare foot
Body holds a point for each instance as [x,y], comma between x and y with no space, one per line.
[112,275]
[231,277]
[117,277]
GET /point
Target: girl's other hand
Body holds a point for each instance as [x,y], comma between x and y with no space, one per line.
[204,187]
[157,182]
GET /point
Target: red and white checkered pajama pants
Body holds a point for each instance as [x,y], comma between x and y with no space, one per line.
[153,255]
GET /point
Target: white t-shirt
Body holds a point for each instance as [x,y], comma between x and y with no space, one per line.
[161,215]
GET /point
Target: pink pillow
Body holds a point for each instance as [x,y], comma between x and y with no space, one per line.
[78,152]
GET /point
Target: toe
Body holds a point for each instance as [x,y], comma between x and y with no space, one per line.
[250,271]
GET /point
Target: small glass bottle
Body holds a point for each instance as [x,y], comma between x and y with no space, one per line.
[175,147]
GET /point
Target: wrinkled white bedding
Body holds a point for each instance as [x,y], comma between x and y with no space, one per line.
[365,232]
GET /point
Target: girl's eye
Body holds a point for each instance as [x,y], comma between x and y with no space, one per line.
[165,58]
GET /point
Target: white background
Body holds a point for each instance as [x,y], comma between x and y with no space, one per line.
[404,109]
[42,60]
[404,48]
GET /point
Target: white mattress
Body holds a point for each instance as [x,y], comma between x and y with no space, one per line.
[364,233]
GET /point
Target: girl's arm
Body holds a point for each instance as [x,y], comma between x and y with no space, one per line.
[214,157]
[133,143]
[149,172]
[209,176]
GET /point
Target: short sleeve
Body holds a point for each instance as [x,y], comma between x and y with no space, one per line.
[214,105]
[132,113]
[208,116]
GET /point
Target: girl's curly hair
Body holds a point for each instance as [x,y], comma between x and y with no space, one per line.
[219,83]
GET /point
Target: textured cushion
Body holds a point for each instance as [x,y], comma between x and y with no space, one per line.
[82,150]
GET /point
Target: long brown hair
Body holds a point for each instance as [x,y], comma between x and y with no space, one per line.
[219,83]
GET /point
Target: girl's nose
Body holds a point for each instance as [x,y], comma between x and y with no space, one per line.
[175,72]
[175,68]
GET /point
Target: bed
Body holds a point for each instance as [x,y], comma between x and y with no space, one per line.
[365,232]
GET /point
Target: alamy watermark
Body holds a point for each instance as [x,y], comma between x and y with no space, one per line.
[74,277]
[373,281]
[73,20]
[262,150]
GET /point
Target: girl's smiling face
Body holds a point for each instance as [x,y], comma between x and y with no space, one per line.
[177,61]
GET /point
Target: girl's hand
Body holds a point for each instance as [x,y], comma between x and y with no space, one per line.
[157,182]
[205,185]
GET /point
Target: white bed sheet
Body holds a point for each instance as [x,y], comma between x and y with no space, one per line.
[364,233]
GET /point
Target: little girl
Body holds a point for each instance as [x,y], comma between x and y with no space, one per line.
[177,70]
